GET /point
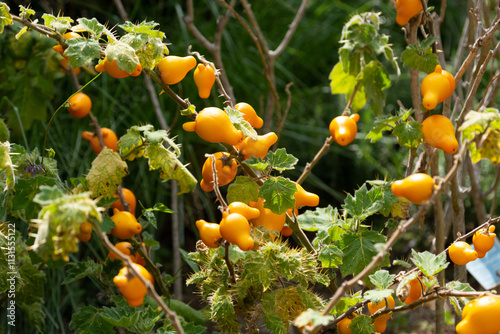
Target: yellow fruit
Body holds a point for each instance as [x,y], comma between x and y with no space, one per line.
[235,229]
[209,233]
[416,188]
[257,147]
[439,132]
[214,126]
[173,68]
[126,226]
[461,253]
[344,129]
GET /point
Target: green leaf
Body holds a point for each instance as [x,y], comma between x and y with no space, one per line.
[257,163]
[125,56]
[478,121]
[5,17]
[26,191]
[376,134]
[409,134]
[375,80]
[376,296]
[345,303]
[359,248]
[458,301]
[364,203]
[149,50]
[401,263]
[160,207]
[170,167]
[420,57]
[4,136]
[280,160]
[82,269]
[81,51]
[319,219]
[222,312]
[145,27]
[32,287]
[313,317]
[343,83]
[330,256]
[60,23]
[243,189]
[47,195]
[87,320]
[486,125]
[429,263]
[119,316]
[187,312]
[382,279]
[362,324]
[106,173]
[21,32]
[92,26]
[129,142]
[240,123]
[35,315]
[107,224]
[150,218]
[278,194]
[7,167]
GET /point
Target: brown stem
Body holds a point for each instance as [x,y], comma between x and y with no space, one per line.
[216,181]
[153,269]
[310,165]
[166,88]
[122,198]
[232,276]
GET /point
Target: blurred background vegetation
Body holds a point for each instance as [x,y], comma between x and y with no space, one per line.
[31,80]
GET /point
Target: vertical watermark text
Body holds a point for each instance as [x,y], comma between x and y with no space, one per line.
[12,273]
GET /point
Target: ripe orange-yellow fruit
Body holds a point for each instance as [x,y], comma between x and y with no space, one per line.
[204,78]
[214,126]
[80,105]
[344,129]
[416,188]
[439,132]
[174,68]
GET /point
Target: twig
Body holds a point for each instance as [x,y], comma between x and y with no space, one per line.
[232,276]
[310,165]
[216,181]
[291,30]
[487,89]
[475,86]
[484,39]
[122,198]
[183,103]
[287,109]
[153,269]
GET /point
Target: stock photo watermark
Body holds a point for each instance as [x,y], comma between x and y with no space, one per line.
[10,255]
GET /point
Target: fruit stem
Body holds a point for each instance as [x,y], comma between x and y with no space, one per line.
[166,88]
[151,267]
[228,262]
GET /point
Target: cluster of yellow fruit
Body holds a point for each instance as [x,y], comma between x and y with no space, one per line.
[462,253]
[239,218]
[174,68]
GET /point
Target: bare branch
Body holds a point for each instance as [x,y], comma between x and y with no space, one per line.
[291,30]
